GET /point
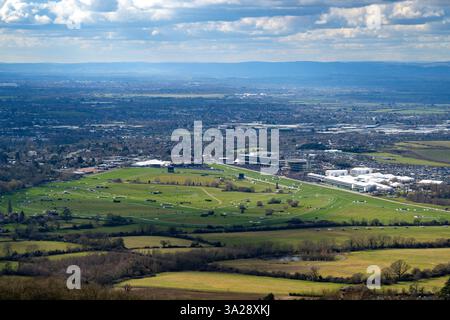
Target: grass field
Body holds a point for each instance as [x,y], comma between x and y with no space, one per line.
[339,235]
[349,263]
[224,282]
[413,110]
[390,157]
[11,264]
[166,250]
[424,153]
[136,242]
[432,285]
[31,246]
[73,255]
[166,200]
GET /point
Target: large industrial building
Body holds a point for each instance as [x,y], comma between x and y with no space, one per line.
[151,163]
[362,180]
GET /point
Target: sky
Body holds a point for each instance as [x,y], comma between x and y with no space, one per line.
[224,30]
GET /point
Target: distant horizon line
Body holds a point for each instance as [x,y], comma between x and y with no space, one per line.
[228,62]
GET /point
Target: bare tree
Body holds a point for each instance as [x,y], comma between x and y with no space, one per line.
[399,268]
[314,273]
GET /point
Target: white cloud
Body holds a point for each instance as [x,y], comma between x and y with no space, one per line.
[368,16]
[362,35]
[17,39]
[42,19]
[212,29]
[13,11]
[324,34]
[414,9]
[174,4]
[74,13]
[375,15]
[71,13]
[247,25]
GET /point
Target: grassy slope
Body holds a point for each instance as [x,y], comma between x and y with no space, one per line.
[335,204]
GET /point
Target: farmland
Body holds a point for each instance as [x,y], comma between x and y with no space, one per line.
[348,264]
[73,255]
[31,246]
[138,242]
[425,153]
[337,235]
[430,285]
[223,282]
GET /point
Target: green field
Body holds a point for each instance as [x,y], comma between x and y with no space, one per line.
[423,153]
[137,242]
[11,264]
[224,282]
[73,255]
[414,110]
[151,195]
[164,250]
[339,235]
[432,285]
[31,246]
[348,264]
[390,157]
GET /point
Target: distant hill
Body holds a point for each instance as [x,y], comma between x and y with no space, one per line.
[297,70]
[429,81]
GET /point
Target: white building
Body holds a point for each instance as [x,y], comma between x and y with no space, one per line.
[363,180]
[430,182]
[336,173]
[151,163]
[360,170]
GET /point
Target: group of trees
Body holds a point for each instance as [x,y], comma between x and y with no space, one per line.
[116,220]
[186,182]
[434,194]
[22,173]
[112,266]
[230,186]
[54,288]
[382,241]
